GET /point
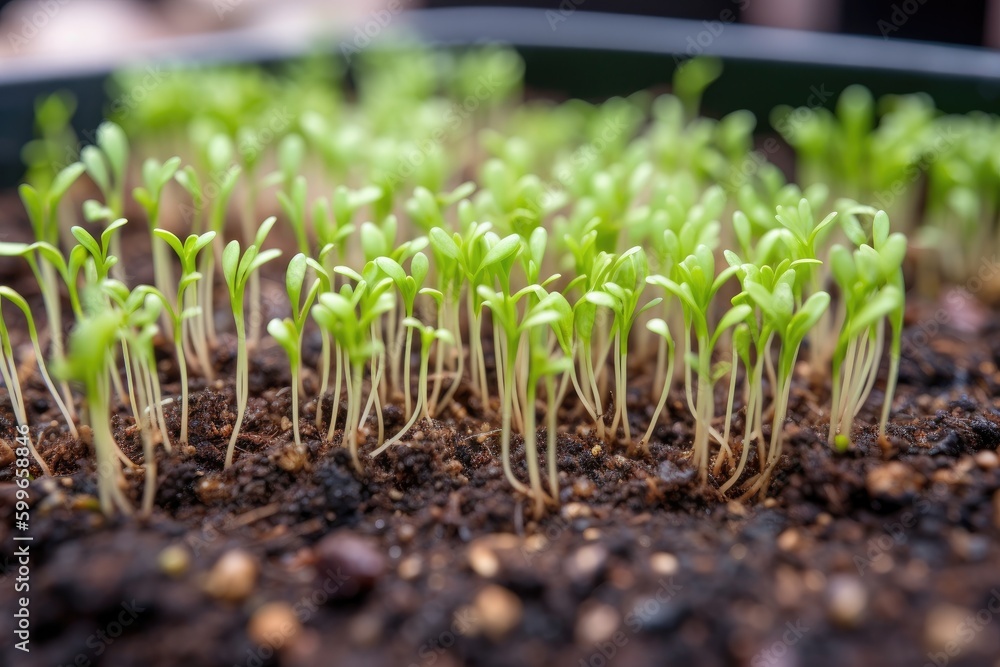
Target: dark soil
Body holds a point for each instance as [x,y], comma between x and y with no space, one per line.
[886,555]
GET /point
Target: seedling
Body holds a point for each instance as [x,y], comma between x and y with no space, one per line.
[185,307]
[91,346]
[695,287]
[288,331]
[237,268]
[871,281]
[155,176]
[428,337]
[349,315]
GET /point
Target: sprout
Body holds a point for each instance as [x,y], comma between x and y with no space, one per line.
[155,176]
[503,306]
[695,287]
[871,283]
[409,286]
[659,327]
[8,370]
[215,196]
[288,331]
[42,208]
[621,294]
[237,269]
[551,312]
[91,344]
[773,293]
[428,336]
[185,307]
[349,315]
[107,166]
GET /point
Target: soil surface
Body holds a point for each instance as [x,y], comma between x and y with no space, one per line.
[886,555]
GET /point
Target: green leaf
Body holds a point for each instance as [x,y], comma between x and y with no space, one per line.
[112,140]
[419,267]
[443,244]
[64,180]
[87,241]
[734,316]
[93,161]
[295,277]
[171,240]
[230,263]
[501,250]
[881,305]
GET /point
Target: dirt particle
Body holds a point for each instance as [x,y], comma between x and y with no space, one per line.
[571,511]
[586,563]
[498,611]
[942,626]
[789,540]
[174,560]
[410,568]
[366,629]
[894,481]
[967,546]
[292,457]
[354,560]
[592,534]
[987,459]
[737,509]
[274,624]
[406,533]
[211,489]
[483,560]
[664,564]
[233,578]
[583,487]
[847,600]
[596,624]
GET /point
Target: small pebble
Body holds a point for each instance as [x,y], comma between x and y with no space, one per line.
[498,610]
[211,489]
[174,560]
[586,563]
[572,511]
[583,488]
[410,568]
[967,546]
[664,564]
[407,532]
[592,534]
[483,561]
[354,562]
[894,480]
[293,458]
[847,600]
[365,629]
[596,624]
[274,624]
[942,625]
[789,540]
[987,459]
[234,576]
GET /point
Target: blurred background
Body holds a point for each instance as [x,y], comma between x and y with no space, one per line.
[84,29]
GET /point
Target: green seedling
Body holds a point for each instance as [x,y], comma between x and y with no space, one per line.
[237,268]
